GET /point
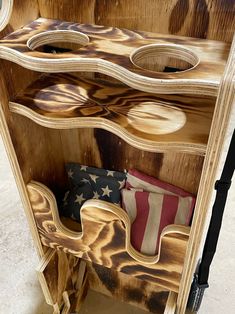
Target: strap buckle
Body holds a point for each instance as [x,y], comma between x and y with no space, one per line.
[222,186]
[196,294]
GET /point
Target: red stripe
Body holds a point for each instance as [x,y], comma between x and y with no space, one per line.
[139,225]
[164,185]
[170,205]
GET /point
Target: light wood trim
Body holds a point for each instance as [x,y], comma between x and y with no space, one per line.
[67,305]
[69,36]
[100,55]
[41,267]
[171,303]
[5,13]
[224,105]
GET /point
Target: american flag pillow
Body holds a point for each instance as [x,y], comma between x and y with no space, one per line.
[152,205]
[90,183]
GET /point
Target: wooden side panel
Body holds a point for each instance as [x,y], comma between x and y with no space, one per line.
[203,18]
[224,105]
[127,289]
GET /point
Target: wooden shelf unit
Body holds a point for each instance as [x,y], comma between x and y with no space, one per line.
[152,122]
[63,79]
[128,56]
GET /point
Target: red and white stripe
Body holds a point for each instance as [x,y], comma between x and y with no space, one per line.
[152,205]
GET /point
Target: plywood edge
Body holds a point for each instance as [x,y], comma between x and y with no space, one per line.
[146,84]
[171,303]
[44,191]
[5,13]
[101,53]
[224,105]
[40,269]
[37,190]
[105,124]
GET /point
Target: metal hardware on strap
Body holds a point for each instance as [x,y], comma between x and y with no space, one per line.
[222,186]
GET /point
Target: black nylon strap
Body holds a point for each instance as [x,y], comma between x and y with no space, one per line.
[221,186]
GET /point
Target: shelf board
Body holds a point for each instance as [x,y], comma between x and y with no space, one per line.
[155,123]
[120,53]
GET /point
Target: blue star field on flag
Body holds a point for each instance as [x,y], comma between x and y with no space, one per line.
[90,183]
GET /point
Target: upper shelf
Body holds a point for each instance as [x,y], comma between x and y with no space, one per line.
[146,61]
[147,121]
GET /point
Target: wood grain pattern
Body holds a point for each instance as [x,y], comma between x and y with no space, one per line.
[39,153]
[147,121]
[127,289]
[21,13]
[110,50]
[193,18]
[105,239]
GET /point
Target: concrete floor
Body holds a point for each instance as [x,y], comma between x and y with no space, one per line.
[19,289]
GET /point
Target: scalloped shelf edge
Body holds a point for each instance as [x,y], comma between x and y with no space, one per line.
[105,124]
[103,216]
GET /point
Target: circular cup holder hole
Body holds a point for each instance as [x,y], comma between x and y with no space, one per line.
[164,58]
[58,41]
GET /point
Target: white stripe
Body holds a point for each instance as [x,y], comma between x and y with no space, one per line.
[152,227]
[129,201]
[140,184]
[184,207]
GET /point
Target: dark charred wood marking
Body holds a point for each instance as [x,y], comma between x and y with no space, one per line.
[200,21]
[107,277]
[157,301]
[178,16]
[133,294]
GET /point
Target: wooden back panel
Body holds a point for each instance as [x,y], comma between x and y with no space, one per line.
[203,18]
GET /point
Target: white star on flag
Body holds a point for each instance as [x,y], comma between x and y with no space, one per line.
[106,191]
[65,198]
[79,199]
[122,183]
[93,177]
[110,173]
[84,168]
[96,195]
[73,217]
[70,173]
[85,181]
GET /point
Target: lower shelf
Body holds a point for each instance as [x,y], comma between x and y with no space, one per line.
[72,285]
[105,239]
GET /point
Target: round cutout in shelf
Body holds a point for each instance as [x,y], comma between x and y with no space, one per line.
[156,118]
[6,7]
[58,41]
[164,58]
